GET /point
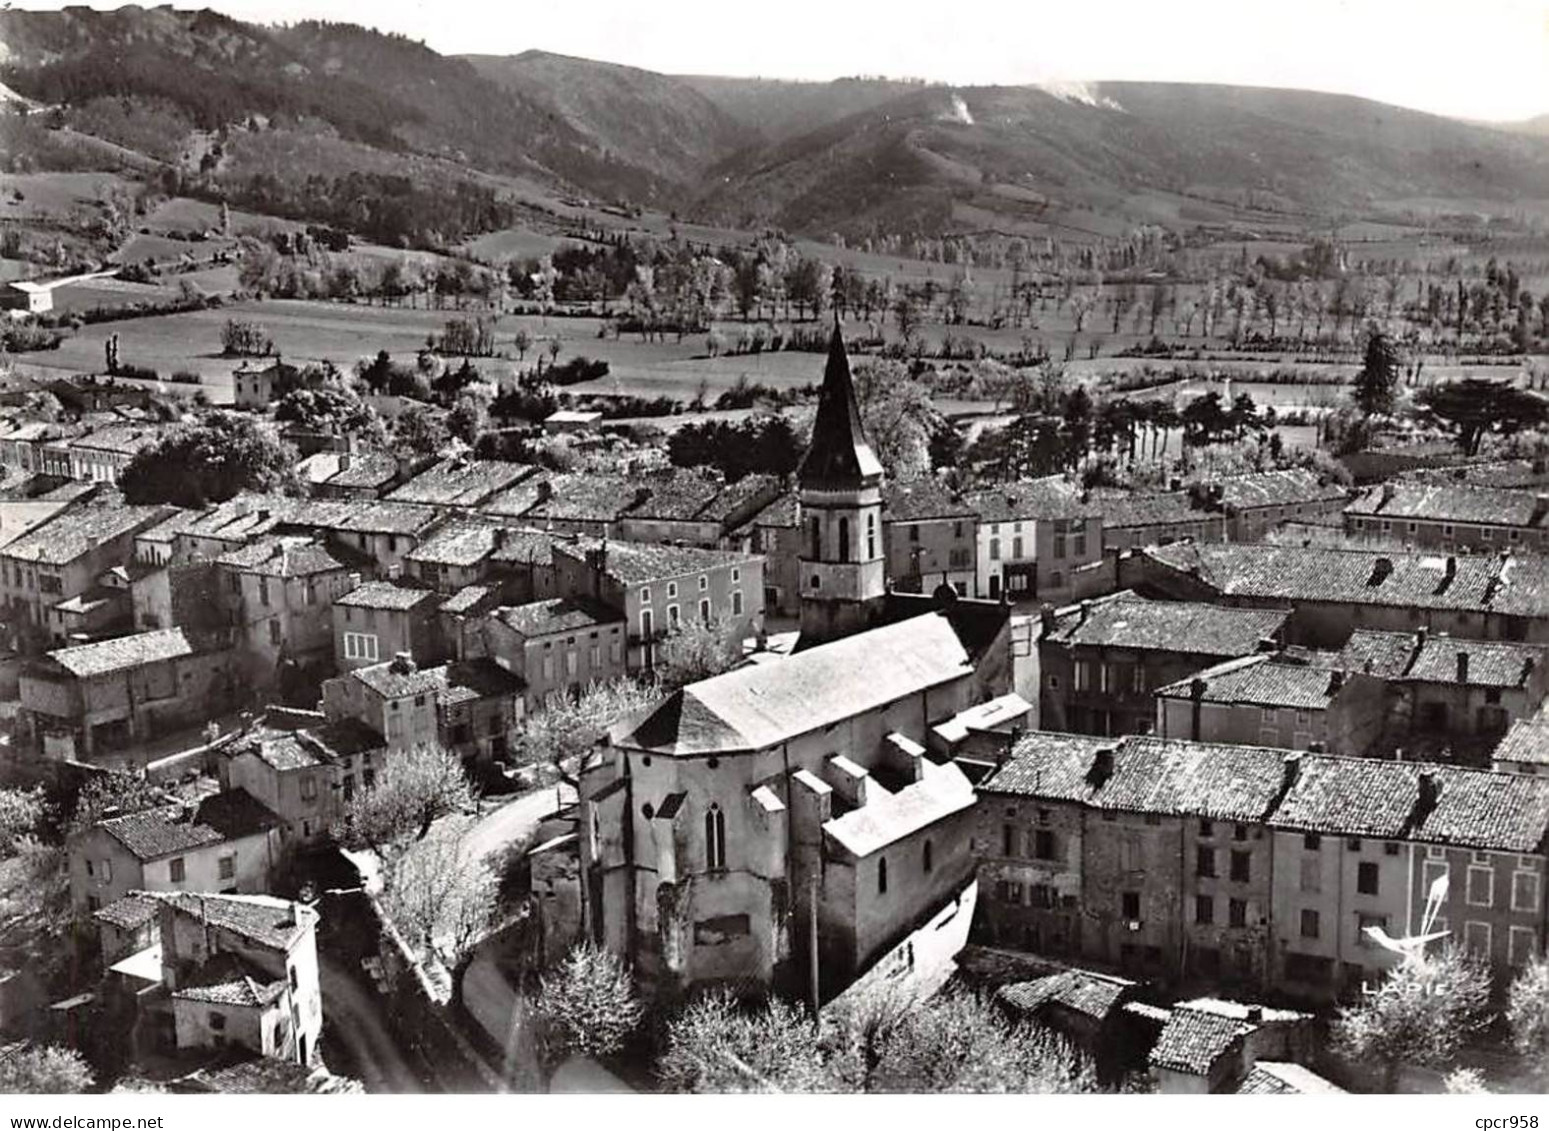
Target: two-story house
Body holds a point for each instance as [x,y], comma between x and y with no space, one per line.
[558,646]
[1031,536]
[1101,660]
[929,536]
[377,620]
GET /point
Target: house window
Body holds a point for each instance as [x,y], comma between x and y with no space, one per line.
[1129,905]
[217,1021]
[704,612]
[570,665]
[1241,867]
[1207,828]
[263,591]
[1524,891]
[176,870]
[1237,913]
[647,623]
[929,863]
[1311,878]
[1204,910]
[1431,872]
[1083,674]
[616,651]
[309,788]
[994,549]
[548,667]
[1522,945]
[1205,861]
[228,867]
[360,646]
[736,602]
[715,839]
[736,575]
[882,876]
[1043,845]
[1476,937]
[645,595]
[704,582]
[1366,878]
[1008,840]
[673,619]
[871,536]
[1481,886]
[274,632]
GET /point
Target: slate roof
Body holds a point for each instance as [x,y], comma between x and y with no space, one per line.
[757,707]
[1091,995]
[839,452]
[1527,741]
[1053,497]
[455,682]
[459,543]
[922,499]
[272,923]
[123,652]
[1517,586]
[384,595]
[1434,658]
[169,829]
[678,496]
[460,482]
[468,600]
[1351,797]
[1169,777]
[288,556]
[1194,1039]
[1279,1078]
[1122,510]
[77,530]
[1261,680]
[589,497]
[382,517]
[638,563]
[888,817]
[1286,487]
[130,912]
[1451,503]
[1486,810]
[367,470]
[560,614]
[525,547]
[227,979]
[516,500]
[734,499]
[1128,621]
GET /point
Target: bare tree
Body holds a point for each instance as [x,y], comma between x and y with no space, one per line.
[588,1005]
[441,898]
[412,790]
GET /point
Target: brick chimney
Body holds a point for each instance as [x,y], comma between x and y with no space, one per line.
[403,664]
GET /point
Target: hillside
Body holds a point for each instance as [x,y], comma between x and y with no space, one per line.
[377,132]
[648,121]
[938,158]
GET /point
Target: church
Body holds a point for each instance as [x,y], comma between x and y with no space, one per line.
[790,823]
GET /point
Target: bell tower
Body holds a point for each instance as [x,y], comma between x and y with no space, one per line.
[840,489]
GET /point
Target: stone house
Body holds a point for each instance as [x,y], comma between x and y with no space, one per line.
[556,647]
[1102,660]
[228,842]
[1258,501]
[929,537]
[91,700]
[377,620]
[1132,519]
[1451,517]
[1031,537]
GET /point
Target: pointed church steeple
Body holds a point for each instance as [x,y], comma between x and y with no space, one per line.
[839,453]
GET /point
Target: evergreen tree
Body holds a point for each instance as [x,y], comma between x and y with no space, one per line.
[1378,379]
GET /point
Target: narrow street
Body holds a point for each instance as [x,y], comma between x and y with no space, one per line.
[514,821]
[354,1019]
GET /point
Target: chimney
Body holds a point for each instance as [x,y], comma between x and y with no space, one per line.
[1255,1014]
[545,490]
[1048,619]
[1086,611]
[345,458]
[1387,494]
[1382,569]
[1196,710]
[1462,666]
[403,663]
[1430,793]
[1102,767]
[1452,567]
[1336,682]
[1290,771]
[1267,645]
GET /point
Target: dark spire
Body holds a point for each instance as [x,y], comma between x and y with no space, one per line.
[839,452]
